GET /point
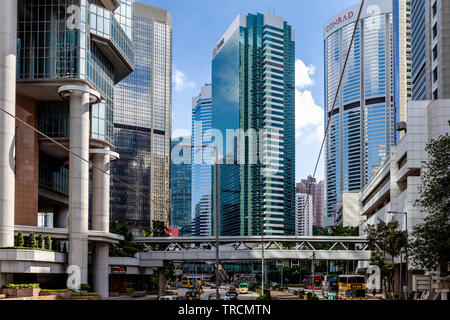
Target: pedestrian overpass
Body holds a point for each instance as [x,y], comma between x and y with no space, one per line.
[250,248]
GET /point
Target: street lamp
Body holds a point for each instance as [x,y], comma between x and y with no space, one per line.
[217,207]
[406,262]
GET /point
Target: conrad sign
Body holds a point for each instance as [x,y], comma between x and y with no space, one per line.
[338,21]
[217,47]
[371,8]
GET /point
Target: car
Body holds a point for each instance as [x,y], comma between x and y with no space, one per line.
[213,286]
[232,287]
[173,297]
[192,295]
[212,296]
[232,295]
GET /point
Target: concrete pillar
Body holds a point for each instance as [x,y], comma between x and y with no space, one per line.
[100,267]
[100,219]
[80,99]
[8,48]
[100,192]
[161,281]
[6,278]
[61,218]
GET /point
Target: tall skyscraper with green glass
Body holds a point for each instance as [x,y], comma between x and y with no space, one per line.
[253,121]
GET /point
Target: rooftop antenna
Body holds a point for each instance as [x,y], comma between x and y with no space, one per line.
[274,8]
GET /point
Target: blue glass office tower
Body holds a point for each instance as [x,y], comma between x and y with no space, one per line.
[180,186]
[361,130]
[253,90]
[142,125]
[430,49]
[201,161]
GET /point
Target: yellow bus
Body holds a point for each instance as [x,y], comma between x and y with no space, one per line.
[351,287]
[243,287]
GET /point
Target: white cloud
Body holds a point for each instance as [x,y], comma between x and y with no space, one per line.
[303,74]
[181,82]
[308,115]
[180,133]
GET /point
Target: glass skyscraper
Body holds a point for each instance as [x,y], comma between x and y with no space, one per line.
[430,48]
[253,91]
[361,130]
[180,181]
[201,161]
[142,125]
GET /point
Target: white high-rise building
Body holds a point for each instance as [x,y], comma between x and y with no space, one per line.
[303,214]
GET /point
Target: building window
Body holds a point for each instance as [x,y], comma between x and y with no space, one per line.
[434,31]
[435,74]
[434,52]
[435,94]
[434,9]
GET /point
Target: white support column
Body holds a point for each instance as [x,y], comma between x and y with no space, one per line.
[100,190]
[80,99]
[100,217]
[100,268]
[8,48]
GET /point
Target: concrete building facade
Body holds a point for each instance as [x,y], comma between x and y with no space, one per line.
[57,73]
[393,190]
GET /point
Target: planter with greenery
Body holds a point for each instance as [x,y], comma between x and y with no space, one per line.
[21,290]
[85,295]
[62,293]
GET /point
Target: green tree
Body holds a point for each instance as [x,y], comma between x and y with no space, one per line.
[48,243]
[20,242]
[40,240]
[32,240]
[126,247]
[429,247]
[385,239]
[344,231]
[320,231]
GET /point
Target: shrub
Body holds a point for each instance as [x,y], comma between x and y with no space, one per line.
[21,286]
[265,296]
[48,243]
[40,240]
[20,242]
[32,240]
[54,290]
[79,294]
[85,287]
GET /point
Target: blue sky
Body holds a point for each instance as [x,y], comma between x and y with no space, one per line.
[198,26]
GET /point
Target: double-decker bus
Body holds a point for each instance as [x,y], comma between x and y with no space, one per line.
[351,287]
[308,282]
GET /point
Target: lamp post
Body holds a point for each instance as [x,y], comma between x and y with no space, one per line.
[217,207]
[406,256]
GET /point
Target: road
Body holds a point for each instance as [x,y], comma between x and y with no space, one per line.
[222,291]
[281,295]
